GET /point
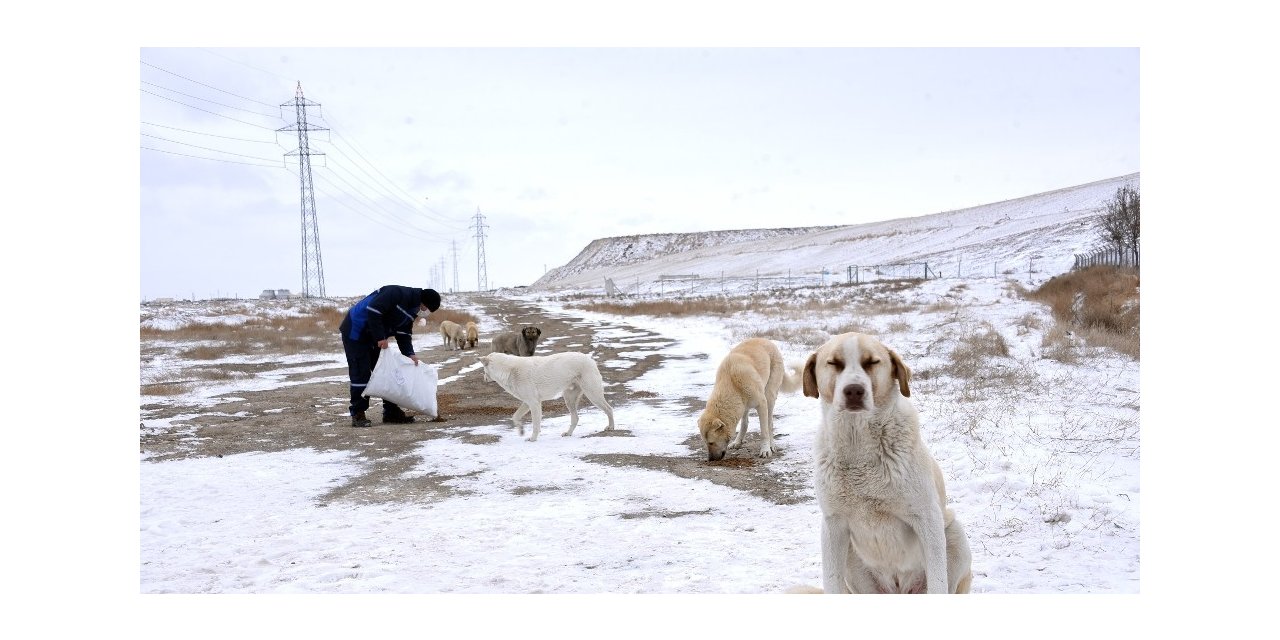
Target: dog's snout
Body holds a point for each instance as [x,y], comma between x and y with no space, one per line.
[716,453]
[854,396]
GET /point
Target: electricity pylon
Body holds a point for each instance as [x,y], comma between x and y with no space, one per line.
[312,265]
[482,269]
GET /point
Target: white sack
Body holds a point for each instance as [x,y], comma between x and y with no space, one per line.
[397,379]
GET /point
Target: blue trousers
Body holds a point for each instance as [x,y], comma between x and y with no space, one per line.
[362,356]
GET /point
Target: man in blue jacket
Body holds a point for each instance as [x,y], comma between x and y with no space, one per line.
[368,328]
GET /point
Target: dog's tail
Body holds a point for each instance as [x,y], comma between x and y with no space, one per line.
[793,376]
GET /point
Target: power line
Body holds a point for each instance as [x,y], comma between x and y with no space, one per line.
[164,88]
[201,133]
[374,202]
[204,148]
[439,216]
[356,195]
[206,110]
[187,155]
[411,203]
[207,85]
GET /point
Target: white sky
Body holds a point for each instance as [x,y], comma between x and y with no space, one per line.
[559,146]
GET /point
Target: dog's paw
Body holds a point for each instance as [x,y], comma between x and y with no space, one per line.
[734,444]
[566,434]
[766,451]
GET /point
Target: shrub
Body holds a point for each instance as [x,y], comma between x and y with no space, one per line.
[1100,304]
[976,348]
[440,315]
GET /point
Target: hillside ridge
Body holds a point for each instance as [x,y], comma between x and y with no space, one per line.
[1041,231]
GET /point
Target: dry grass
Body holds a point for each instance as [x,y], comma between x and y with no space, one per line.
[204,352]
[314,331]
[886,308]
[970,359]
[800,336]
[679,307]
[849,327]
[166,389]
[1099,304]
[212,373]
[440,315]
[1028,323]
[942,306]
[1128,344]
[1059,346]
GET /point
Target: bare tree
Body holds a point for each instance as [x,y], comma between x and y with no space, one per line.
[1121,223]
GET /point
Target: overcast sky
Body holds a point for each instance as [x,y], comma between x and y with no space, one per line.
[556,147]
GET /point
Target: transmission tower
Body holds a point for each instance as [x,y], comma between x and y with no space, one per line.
[455,266]
[482,270]
[312,265]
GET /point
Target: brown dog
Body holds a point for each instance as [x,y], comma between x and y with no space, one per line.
[517,344]
[473,335]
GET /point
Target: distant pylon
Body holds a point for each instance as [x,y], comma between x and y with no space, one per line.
[455,266]
[312,265]
[482,270]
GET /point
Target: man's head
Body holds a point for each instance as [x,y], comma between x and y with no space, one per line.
[430,300]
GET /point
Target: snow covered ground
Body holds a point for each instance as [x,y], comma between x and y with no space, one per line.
[1041,459]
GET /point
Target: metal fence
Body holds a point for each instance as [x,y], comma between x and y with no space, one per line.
[693,284]
[856,274]
[1110,258]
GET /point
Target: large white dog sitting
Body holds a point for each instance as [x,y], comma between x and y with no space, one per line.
[886,527]
[532,379]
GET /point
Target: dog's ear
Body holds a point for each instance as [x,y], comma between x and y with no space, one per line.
[810,377]
[902,372]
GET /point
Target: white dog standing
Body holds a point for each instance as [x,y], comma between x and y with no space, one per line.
[886,527]
[532,379]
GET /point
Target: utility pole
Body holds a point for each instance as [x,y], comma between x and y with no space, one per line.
[312,265]
[455,267]
[482,269]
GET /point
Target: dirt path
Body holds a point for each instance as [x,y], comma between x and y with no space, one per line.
[311,412]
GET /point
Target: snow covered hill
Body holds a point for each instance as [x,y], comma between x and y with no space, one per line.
[1036,237]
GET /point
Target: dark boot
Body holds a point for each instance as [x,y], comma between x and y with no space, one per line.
[395,416]
[358,420]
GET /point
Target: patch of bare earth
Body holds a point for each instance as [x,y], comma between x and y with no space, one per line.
[313,415]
